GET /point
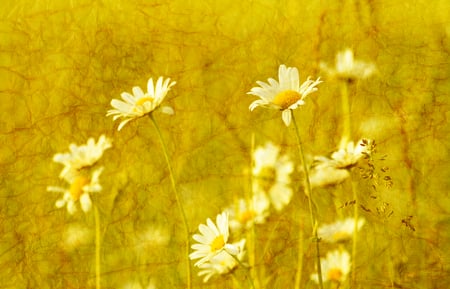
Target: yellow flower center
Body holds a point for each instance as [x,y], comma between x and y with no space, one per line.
[144,99]
[217,243]
[286,98]
[246,216]
[335,275]
[340,236]
[76,188]
[267,178]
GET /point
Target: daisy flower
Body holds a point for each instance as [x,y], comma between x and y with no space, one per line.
[324,173]
[222,263]
[244,214]
[139,103]
[347,68]
[339,231]
[82,156]
[78,191]
[348,154]
[284,95]
[212,240]
[335,267]
[272,175]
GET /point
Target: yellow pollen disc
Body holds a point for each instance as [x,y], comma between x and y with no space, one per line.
[143,100]
[286,98]
[267,178]
[217,243]
[340,236]
[335,275]
[246,216]
[76,188]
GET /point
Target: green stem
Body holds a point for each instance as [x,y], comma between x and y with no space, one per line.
[310,203]
[355,233]
[177,198]
[345,114]
[252,285]
[97,248]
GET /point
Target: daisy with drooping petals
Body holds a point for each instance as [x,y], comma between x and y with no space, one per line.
[212,240]
[222,263]
[272,174]
[347,68]
[80,186]
[139,103]
[348,154]
[285,95]
[335,267]
[82,156]
[339,231]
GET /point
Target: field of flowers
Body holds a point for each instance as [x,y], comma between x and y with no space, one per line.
[223,144]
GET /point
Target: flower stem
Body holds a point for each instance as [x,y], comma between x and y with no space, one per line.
[310,203]
[97,248]
[177,199]
[355,233]
[345,114]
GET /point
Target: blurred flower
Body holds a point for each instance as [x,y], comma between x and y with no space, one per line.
[339,231]
[244,214]
[75,236]
[138,285]
[152,237]
[347,68]
[82,156]
[332,171]
[323,173]
[222,263]
[348,154]
[272,175]
[139,103]
[335,267]
[80,186]
[285,95]
[212,240]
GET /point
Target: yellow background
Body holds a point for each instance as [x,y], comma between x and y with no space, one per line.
[61,63]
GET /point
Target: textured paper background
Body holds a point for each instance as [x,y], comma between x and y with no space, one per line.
[61,63]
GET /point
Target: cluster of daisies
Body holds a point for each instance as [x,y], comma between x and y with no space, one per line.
[214,252]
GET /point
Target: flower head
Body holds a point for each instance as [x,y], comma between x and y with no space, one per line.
[82,156]
[347,68]
[80,186]
[348,154]
[246,213]
[212,240]
[222,263]
[335,267]
[139,103]
[339,231]
[272,175]
[284,95]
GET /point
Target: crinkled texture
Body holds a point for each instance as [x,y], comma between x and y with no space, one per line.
[139,103]
[222,263]
[347,68]
[335,267]
[81,156]
[277,185]
[339,231]
[212,240]
[284,95]
[82,197]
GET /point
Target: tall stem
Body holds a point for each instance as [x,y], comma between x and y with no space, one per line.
[346,134]
[310,202]
[177,199]
[355,233]
[97,249]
